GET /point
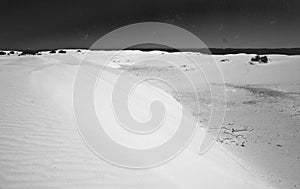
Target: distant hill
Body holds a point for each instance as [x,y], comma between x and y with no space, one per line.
[224,51]
[218,51]
[286,51]
[215,51]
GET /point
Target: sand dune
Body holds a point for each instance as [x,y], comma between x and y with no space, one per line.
[261,127]
[40,146]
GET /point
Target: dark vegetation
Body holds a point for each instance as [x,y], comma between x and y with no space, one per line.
[225,60]
[259,59]
[30,52]
[12,52]
[216,51]
[151,47]
[62,51]
[2,53]
[286,51]
[52,51]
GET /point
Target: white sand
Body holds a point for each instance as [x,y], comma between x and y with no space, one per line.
[40,146]
[261,127]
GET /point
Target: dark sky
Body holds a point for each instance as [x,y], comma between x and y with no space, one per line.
[218,23]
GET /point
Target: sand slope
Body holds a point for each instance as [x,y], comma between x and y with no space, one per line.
[40,146]
[261,127]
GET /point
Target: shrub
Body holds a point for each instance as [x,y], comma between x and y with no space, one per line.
[29,52]
[2,53]
[257,58]
[52,52]
[264,59]
[12,52]
[224,60]
[62,52]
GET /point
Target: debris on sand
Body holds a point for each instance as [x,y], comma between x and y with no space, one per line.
[234,135]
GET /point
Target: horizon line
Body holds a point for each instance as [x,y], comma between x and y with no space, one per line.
[216,51]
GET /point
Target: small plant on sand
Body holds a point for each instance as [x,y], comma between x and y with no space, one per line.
[255,59]
[62,51]
[30,52]
[259,59]
[224,60]
[264,59]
